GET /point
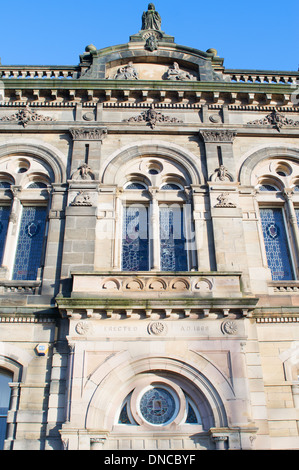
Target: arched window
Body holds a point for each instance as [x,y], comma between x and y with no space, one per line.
[276,244]
[5,378]
[30,242]
[4,219]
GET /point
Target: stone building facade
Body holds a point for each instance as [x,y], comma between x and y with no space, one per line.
[149,213]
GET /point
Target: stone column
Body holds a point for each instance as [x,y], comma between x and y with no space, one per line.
[12,413]
[56,219]
[219,153]
[87,142]
[227,218]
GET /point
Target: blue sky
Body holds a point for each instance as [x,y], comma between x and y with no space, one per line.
[259,34]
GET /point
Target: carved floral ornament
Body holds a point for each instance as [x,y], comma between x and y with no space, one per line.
[152,117]
[276,120]
[25,116]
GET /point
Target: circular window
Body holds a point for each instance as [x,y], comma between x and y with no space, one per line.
[158,406]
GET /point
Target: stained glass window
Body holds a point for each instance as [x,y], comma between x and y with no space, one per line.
[135,243]
[276,244]
[135,185]
[170,186]
[158,406]
[30,243]
[37,185]
[267,187]
[4,219]
[5,378]
[173,252]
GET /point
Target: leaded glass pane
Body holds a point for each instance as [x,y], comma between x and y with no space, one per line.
[4,219]
[157,406]
[124,417]
[30,243]
[135,185]
[170,186]
[191,416]
[135,243]
[276,244]
[173,252]
[36,185]
[267,187]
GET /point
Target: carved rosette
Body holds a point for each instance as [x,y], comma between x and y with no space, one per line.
[157,328]
[229,327]
[82,328]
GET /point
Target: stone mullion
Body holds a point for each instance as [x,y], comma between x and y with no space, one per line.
[12,234]
[155,231]
[293,220]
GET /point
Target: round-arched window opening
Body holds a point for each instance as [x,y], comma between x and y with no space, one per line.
[4,185]
[283,169]
[158,405]
[267,187]
[170,187]
[135,185]
[37,185]
[154,167]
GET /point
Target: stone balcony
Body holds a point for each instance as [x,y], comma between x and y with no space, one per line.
[168,294]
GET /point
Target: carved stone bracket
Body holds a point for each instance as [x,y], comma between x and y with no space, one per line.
[152,117]
[88,133]
[222,135]
[25,116]
[221,174]
[83,173]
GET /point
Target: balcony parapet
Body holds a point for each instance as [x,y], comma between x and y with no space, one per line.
[117,295]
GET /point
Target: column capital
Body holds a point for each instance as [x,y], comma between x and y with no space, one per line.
[218,135]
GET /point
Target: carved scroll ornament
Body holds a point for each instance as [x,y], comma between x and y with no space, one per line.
[276,120]
[25,116]
[152,117]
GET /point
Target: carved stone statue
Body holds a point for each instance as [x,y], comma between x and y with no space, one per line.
[151,18]
[128,72]
[174,73]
